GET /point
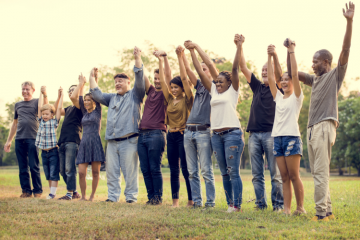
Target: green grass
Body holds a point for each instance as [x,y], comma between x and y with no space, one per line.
[52,219]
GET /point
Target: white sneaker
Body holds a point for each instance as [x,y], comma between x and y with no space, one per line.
[50,196]
[230,209]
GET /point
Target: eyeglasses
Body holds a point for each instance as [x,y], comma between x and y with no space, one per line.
[71,90]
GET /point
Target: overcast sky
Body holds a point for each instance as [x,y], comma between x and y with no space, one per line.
[51,42]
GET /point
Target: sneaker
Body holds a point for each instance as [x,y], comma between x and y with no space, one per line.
[330,216]
[197,205]
[277,210]
[130,201]
[76,195]
[66,197]
[108,200]
[37,195]
[25,195]
[231,209]
[208,207]
[50,196]
[318,218]
[149,202]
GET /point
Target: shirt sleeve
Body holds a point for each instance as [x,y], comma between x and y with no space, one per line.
[15,113]
[309,79]
[278,95]
[341,71]
[299,100]
[56,123]
[99,96]
[254,83]
[139,86]
[151,89]
[213,88]
[81,103]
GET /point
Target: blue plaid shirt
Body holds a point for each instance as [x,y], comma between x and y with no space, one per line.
[46,134]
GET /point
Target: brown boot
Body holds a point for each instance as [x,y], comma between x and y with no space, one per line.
[25,195]
[37,195]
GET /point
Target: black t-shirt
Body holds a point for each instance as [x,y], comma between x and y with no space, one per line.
[71,128]
[262,112]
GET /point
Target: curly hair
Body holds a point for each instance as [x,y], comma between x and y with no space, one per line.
[226,74]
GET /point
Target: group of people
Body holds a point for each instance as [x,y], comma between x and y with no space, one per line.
[193,127]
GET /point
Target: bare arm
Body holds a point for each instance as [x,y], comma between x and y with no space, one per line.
[271,79]
[349,15]
[278,71]
[247,73]
[147,83]
[163,84]
[43,91]
[190,73]
[203,77]
[167,70]
[78,91]
[235,67]
[11,135]
[294,71]
[57,100]
[40,104]
[183,75]
[60,107]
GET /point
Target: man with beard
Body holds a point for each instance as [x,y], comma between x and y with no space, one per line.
[261,120]
[152,134]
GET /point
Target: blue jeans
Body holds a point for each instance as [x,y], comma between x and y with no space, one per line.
[151,146]
[27,156]
[176,156]
[122,155]
[50,160]
[260,143]
[198,150]
[67,156]
[228,149]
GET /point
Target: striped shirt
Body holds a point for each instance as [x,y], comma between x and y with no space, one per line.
[46,134]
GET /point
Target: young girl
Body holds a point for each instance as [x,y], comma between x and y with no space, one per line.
[286,133]
[90,149]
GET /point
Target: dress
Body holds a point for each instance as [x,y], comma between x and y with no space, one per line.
[90,149]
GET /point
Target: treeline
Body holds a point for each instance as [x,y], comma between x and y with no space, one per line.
[346,152]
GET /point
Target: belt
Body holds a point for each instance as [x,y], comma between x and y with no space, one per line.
[194,128]
[122,139]
[49,150]
[226,131]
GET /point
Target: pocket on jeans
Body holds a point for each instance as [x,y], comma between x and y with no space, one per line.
[133,140]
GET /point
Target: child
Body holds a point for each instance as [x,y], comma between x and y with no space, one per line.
[47,142]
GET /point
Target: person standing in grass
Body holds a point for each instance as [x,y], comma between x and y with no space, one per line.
[286,132]
[25,126]
[152,135]
[90,150]
[179,101]
[122,130]
[47,142]
[227,140]
[197,137]
[68,143]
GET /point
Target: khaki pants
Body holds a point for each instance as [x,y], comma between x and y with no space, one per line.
[321,137]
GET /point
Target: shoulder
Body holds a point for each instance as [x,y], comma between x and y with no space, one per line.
[151,89]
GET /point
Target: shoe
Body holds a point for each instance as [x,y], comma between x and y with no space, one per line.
[230,209]
[196,205]
[66,197]
[25,195]
[50,196]
[237,209]
[208,207]
[330,216]
[317,218]
[149,202]
[130,201]
[76,195]
[257,208]
[37,195]
[108,200]
[277,210]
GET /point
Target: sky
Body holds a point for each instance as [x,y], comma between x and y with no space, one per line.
[51,42]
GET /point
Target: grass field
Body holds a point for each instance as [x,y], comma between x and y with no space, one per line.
[52,219]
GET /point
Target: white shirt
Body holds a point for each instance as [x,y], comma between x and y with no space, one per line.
[287,115]
[223,108]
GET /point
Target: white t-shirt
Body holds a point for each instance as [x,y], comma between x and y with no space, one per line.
[223,108]
[287,115]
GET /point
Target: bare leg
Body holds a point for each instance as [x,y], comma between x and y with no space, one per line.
[175,203]
[95,167]
[82,179]
[190,203]
[293,166]
[287,192]
[54,183]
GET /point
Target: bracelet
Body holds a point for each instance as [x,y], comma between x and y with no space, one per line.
[45,96]
[291,52]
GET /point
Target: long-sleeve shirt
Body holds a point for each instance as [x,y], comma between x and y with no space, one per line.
[124,110]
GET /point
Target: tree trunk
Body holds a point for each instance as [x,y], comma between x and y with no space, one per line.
[358,171]
[339,167]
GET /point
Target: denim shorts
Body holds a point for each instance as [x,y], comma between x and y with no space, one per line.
[51,164]
[287,146]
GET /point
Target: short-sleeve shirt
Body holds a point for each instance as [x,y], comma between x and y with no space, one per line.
[223,108]
[287,115]
[262,111]
[26,113]
[46,134]
[71,127]
[324,95]
[154,110]
[200,112]
[178,113]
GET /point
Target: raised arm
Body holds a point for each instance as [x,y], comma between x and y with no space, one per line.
[294,69]
[164,86]
[139,85]
[349,15]
[40,103]
[278,71]
[60,106]
[239,39]
[57,102]
[247,73]
[203,77]
[271,79]
[189,72]
[43,91]
[167,69]
[183,75]
[78,91]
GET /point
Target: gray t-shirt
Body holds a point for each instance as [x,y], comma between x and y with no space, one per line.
[26,114]
[200,112]
[324,95]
